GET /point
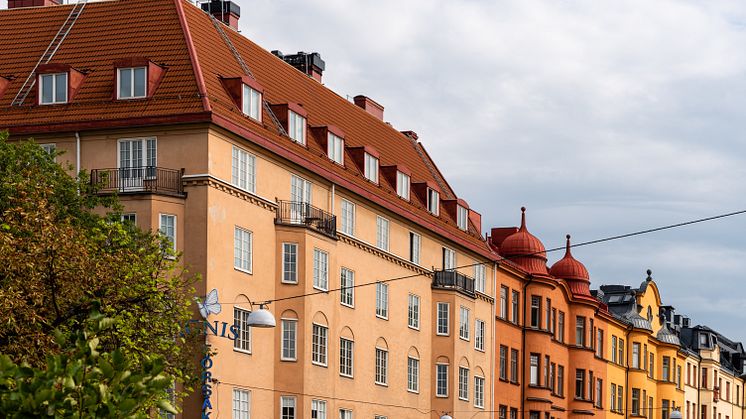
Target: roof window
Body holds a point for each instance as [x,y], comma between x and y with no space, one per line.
[371,168]
[462,217]
[251,103]
[136,78]
[335,146]
[433,201]
[53,88]
[402,185]
[297,127]
[246,94]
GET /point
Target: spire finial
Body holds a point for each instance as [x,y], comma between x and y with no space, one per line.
[650,273]
[567,247]
[523,218]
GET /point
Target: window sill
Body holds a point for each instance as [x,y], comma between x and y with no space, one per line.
[413,391]
[242,351]
[443,334]
[441,396]
[289,282]
[288,359]
[381,384]
[378,316]
[414,328]
[352,306]
[318,364]
[346,376]
[464,339]
[463,399]
[242,270]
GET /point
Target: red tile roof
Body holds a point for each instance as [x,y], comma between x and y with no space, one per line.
[182,38]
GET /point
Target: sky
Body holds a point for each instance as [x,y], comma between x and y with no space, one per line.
[601,117]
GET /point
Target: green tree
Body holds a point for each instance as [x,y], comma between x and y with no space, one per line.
[64,250]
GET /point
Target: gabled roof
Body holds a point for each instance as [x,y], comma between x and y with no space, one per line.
[183,39]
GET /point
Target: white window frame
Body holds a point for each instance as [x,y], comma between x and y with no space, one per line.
[297,127]
[319,345]
[241,404]
[319,408]
[50,148]
[243,169]
[478,391]
[243,341]
[403,182]
[382,233]
[463,383]
[320,269]
[53,77]
[382,367]
[347,225]
[441,377]
[479,331]
[480,278]
[343,356]
[335,148]
[415,247]
[433,201]
[370,165]
[413,311]
[243,243]
[462,217]
[413,374]
[147,163]
[129,217]
[382,300]
[449,259]
[443,319]
[289,260]
[161,217]
[251,102]
[347,287]
[284,323]
[345,414]
[289,402]
[463,327]
[132,94]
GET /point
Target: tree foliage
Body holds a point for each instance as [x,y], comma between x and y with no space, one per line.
[63,250]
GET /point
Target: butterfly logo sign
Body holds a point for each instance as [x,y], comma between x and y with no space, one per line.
[210,305]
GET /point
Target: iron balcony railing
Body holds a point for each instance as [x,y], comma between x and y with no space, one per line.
[138,180]
[305,214]
[450,279]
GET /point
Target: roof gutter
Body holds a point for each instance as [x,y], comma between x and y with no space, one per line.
[193,56]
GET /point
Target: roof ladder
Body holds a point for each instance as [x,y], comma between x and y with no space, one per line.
[247,71]
[50,51]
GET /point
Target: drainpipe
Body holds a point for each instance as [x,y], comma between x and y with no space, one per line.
[627,391]
[523,349]
[77,153]
[698,413]
[494,339]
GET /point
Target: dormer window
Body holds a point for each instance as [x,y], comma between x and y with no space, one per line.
[462,217]
[132,82]
[297,127]
[402,185]
[433,201]
[53,88]
[251,103]
[335,148]
[371,168]
[703,341]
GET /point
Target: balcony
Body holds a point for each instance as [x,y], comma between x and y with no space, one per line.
[305,214]
[134,180]
[454,280]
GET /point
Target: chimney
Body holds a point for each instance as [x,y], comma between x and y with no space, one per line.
[224,11]
[308,63]
[685,322]
[14,4]
[370,106]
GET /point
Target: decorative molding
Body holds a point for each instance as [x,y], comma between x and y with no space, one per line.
[384,254]
[223,186]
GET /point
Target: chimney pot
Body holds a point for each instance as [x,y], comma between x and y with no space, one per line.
[227,12]
[14,4]
[370,106]
[308,63]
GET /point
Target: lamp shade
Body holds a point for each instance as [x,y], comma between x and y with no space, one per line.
[446,416]
[261,318]
[676,415]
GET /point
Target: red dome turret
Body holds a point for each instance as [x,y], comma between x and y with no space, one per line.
[525,250]
[572,271]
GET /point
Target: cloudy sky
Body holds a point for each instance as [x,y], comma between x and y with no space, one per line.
[601,117]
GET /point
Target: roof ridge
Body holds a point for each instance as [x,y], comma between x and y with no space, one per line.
[433,168]
[193,58]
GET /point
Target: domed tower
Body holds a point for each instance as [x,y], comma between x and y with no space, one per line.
[573,272]
[525,250]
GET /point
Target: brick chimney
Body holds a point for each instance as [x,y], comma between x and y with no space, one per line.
[224,11]
[308,63]
[14,4]
[370,106]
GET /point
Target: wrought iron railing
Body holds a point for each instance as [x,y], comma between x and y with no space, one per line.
[450,279]
[305,214]
[138,180]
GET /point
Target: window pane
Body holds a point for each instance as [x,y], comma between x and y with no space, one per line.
[125,83]
[47,88]
[60,88]
[139,86]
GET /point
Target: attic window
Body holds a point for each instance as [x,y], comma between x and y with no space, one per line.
[402,185]
[53,88]
[335,148]
[371,168]
[251,101]
[703,341]
[462,217]
[132,82]
[297,127]
[433,201]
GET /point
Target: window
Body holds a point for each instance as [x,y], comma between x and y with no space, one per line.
[130,219]
[534,377]
[287,407]
[513,413]
[53,88]
[503,302]
[635,401]
[503,362]
[382,233]
[297,127]
[347,290]
[560,380]
[252,103]
[300,192]
[514,365]
[433,201]
[600,343]
[168,229]
[413,374]
[651,371]
[613,349]
[612,400]
[552,376]
[548,314]
[241,403]
[242,249]
[620,352]
[335,148]
[320,269]
[463,383]
[443,314]
[346,357]
[516,304]
[290,263]
[345,414]
[547,363]
[561,327]
[480,281]
[243,170]
[136,162]
[318,409]
[414,247]
[371,168]
[580,384]
[635,355]
[479,330]
[50,149]
[462,217]
[449,259]
[620,398]
[599,392]
[132,82]
[441,380]
[382,363]
[463,328]
[402,185]
[535,311]
[242,343]
[382,300]
[666,369]
[580,331]
[348,218]
[553,327]
[289,335]
[413,311]
[502,412]
[318,344]
[478,391]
